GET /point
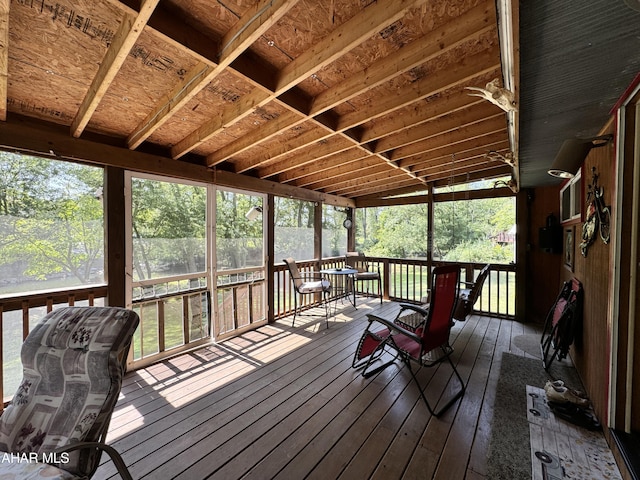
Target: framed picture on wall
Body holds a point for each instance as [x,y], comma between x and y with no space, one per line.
[568,247]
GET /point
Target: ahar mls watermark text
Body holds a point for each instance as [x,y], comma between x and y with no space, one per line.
[33,457]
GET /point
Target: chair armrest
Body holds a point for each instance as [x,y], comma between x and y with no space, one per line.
[469,284]
[112,452]
[415,308]
[393,327]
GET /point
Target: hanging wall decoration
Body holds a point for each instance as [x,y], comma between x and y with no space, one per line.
[597,216]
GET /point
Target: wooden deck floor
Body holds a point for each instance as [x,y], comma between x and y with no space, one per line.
[284,402]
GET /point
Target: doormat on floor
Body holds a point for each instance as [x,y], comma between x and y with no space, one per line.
[560,449]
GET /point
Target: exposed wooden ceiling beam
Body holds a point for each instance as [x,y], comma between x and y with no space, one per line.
[282,149]
[466,69]
[471,116]
[313,153]
[486,143]
[247,29]
[365,169]
[397,181]
[125,38]
[472,157]
[464,134]
[498,171]
[443,80]
[415,115]
[469,25]
[327,168]
[374,18]
[354,31]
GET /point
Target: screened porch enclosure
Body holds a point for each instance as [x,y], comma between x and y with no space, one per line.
[202,262]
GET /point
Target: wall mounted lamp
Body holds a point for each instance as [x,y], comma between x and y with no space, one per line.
[572,154]
[253,213]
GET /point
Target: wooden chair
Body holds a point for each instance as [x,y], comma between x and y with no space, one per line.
[358,261]
[73,363]
[412,346]
[469,295]
[307,284]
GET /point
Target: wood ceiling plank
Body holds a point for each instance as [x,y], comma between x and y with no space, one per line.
[280,150]
[125,38]
[466,69]
[249,27]
[4,56]
[460,119]
[471,24]
[374,18]
[484,143]
[464,134]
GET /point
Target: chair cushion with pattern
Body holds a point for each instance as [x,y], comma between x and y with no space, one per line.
[72,373]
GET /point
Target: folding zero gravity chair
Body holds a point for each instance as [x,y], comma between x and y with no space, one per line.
[562,322]
[413,345]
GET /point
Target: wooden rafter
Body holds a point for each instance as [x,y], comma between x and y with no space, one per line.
[249,27]
[353,99]
[471,25]
[130,29]
[353,32]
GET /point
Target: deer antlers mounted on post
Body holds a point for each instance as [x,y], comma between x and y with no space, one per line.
[497,95]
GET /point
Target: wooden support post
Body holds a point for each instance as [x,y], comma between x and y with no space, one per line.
[115,243]
[270,240]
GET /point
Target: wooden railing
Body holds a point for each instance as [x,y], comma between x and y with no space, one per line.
[175,315]
[20,313]
[404,280]
[187,310]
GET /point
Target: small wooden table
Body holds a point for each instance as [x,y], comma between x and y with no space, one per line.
[345,291]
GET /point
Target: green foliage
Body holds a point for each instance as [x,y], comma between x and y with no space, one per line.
[400,232]
[169,227]
[238,239]
[463,230]
[50,219]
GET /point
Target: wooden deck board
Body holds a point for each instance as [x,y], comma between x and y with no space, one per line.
[284,402]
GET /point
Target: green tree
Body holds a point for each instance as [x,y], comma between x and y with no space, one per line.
[50,219]
[168,227]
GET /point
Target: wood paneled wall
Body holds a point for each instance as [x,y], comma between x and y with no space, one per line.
[546,272]
[543,268]
[590,351]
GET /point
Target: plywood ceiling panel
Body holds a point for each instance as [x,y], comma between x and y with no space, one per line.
[356,98]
